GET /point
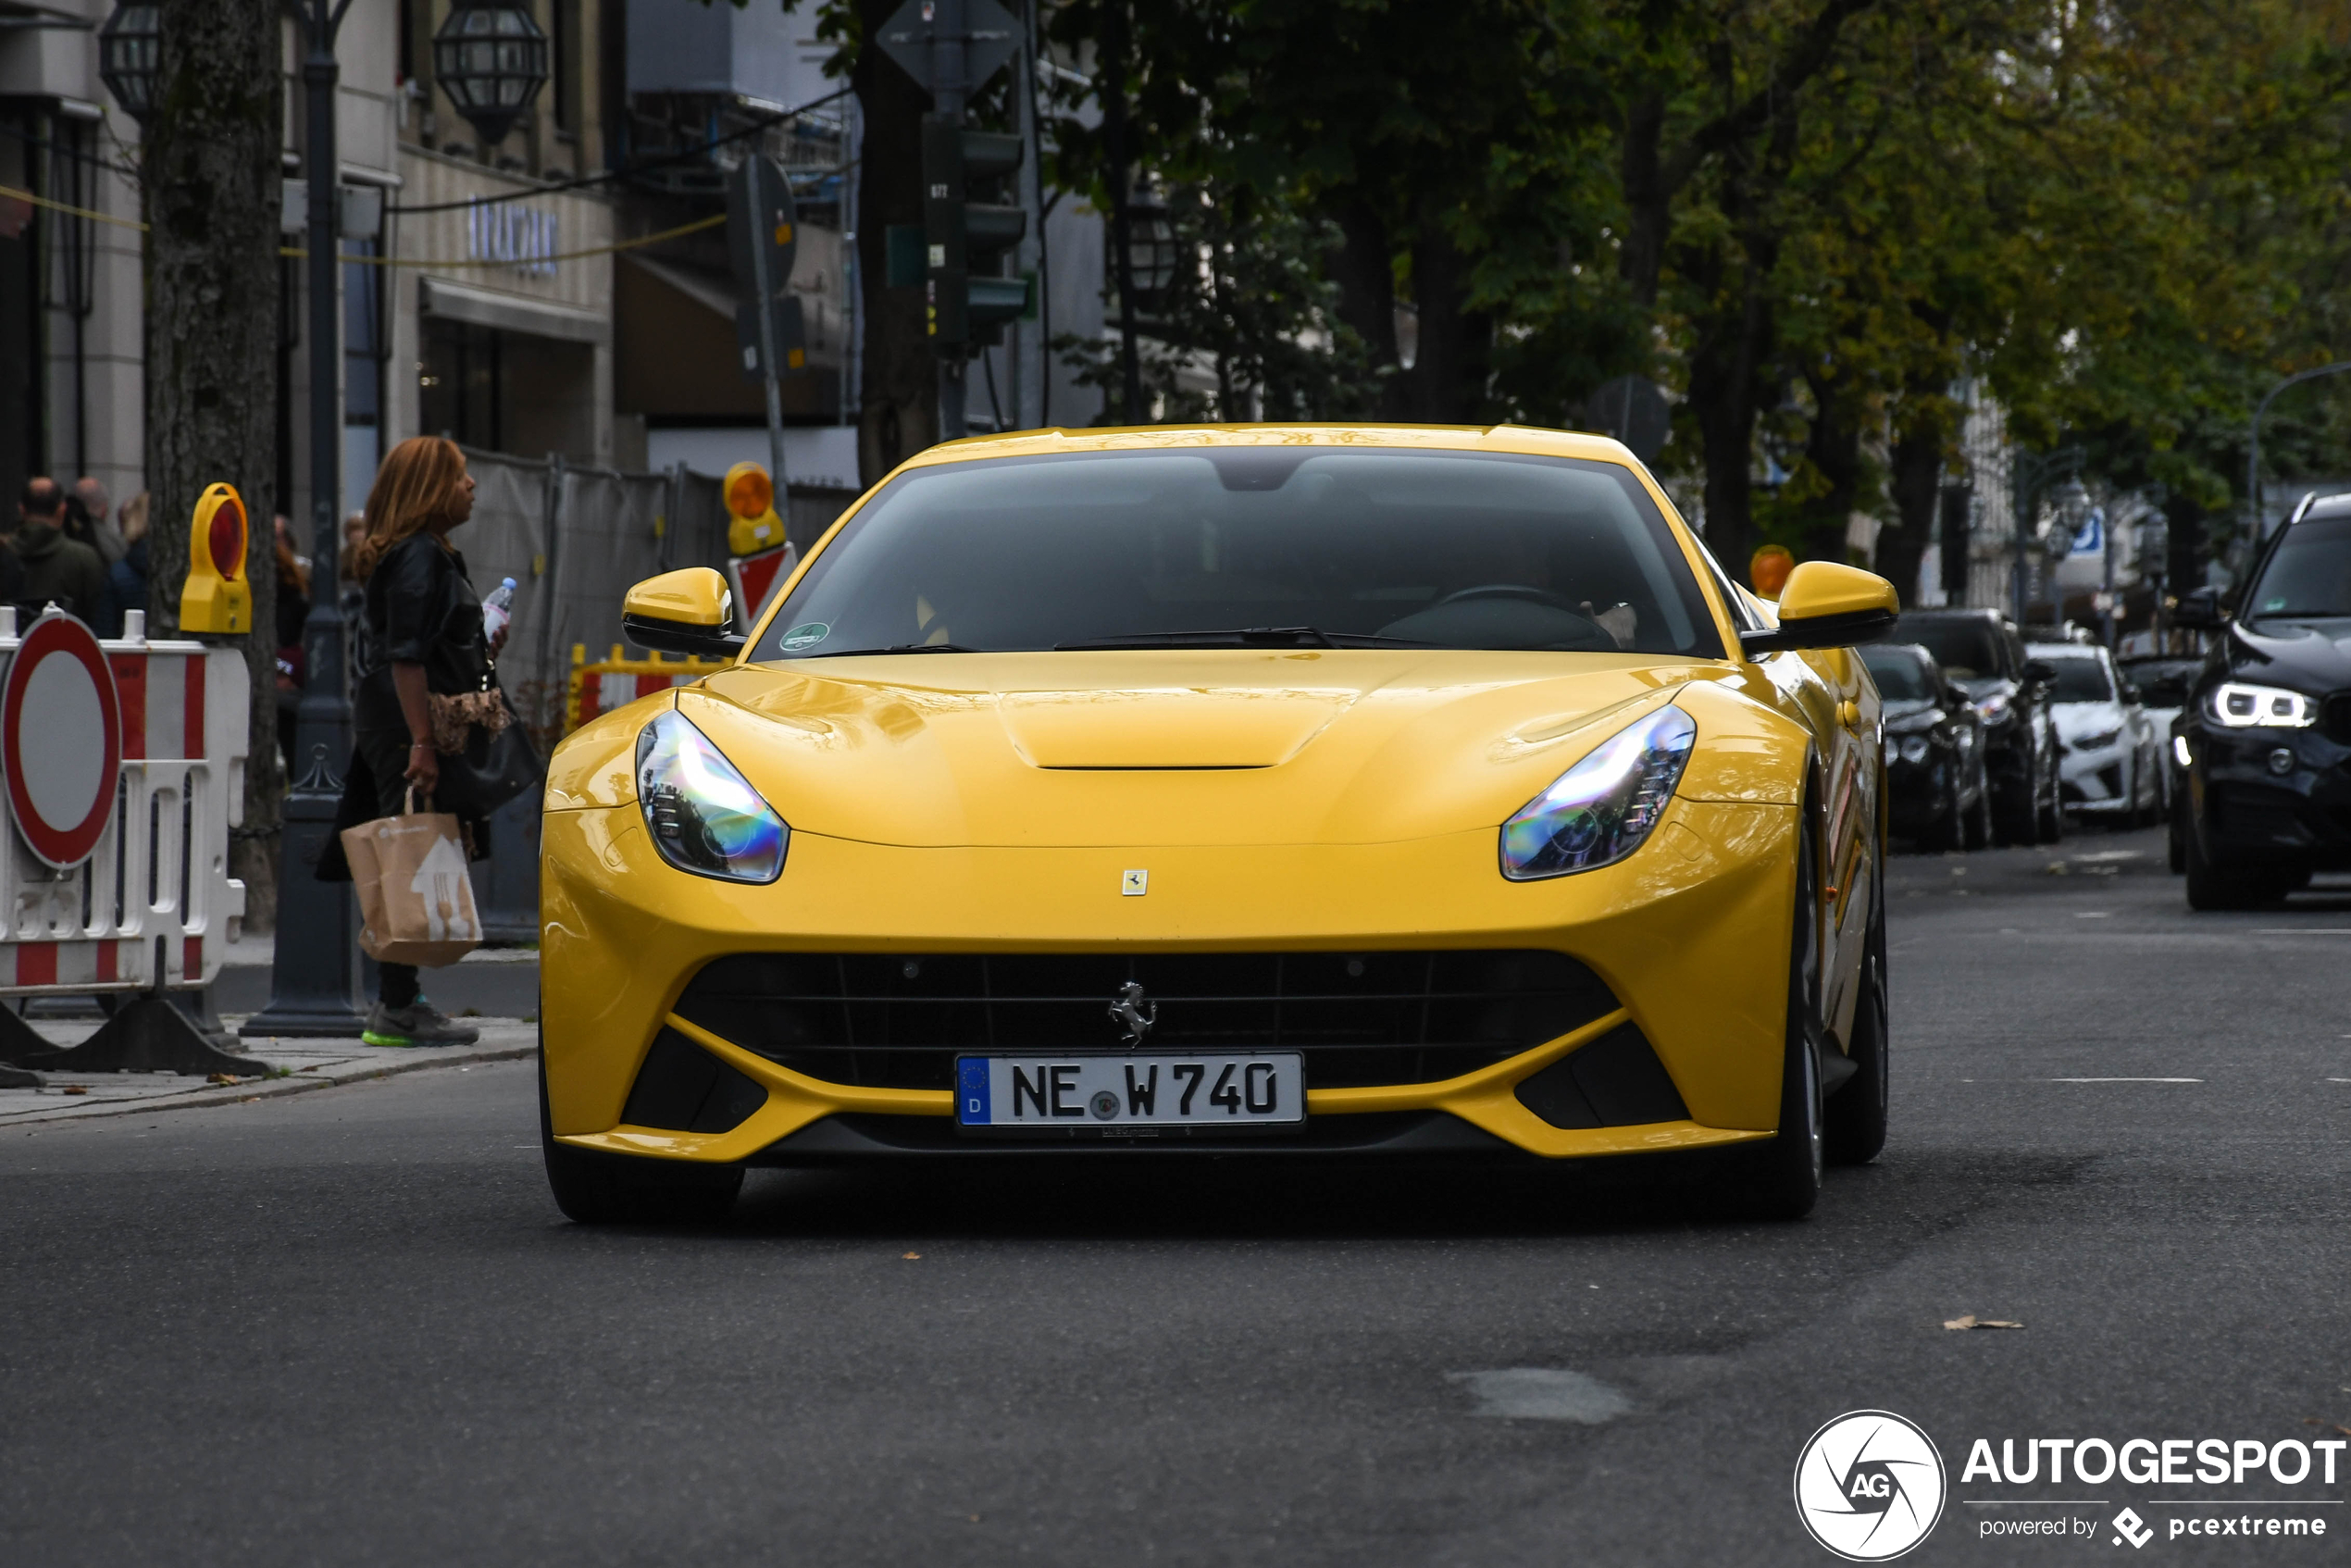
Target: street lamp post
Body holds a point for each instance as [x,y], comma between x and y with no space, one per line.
[313,981]
[2253,447]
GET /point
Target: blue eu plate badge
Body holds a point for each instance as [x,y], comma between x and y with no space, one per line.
[971,1092]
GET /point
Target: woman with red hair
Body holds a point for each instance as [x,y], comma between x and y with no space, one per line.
[421,656]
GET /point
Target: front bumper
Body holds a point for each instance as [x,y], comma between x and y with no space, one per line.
[2243,807]
[2098,779]
[1690,935]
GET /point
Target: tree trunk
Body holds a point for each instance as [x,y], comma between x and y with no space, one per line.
[1646,200]
[1918,493]
[1446,384]
[1833,447]
[1365,272]
[900,415]
[211,177]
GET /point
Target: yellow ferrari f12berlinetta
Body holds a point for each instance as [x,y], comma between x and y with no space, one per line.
[1272,791]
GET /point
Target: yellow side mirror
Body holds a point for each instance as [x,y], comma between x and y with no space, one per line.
[1828,606]
[684,612]
[752,525]
[217,597]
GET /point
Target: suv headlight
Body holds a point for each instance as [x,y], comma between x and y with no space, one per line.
[2238,705]
[704,816]
[1993,709]
[1600,809]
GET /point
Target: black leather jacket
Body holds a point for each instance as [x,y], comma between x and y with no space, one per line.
[420,608]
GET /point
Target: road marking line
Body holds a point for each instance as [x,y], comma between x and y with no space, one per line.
[2302,930]
[2122,1080]
[2093,914]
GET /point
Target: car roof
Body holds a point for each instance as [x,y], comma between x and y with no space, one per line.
[1910,648]
[1519,439]
[2324,506]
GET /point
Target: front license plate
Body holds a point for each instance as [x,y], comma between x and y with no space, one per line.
[1068,1092]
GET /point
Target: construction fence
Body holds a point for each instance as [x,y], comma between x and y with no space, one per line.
[575,540]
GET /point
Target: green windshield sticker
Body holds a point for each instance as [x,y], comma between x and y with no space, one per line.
[807,634]
[2277,604]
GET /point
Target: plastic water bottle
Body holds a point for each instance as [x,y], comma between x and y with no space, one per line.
[497,611]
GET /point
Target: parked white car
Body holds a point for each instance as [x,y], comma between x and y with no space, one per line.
[2110,756]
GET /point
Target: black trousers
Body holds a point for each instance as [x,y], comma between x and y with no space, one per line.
[386,753]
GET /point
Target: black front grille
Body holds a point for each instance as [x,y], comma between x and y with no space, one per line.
[2334,718]
[899,1020]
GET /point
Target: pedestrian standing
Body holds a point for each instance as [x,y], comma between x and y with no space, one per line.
[56,569]
[88,521]
[293,608]
[420,636]
[126,579]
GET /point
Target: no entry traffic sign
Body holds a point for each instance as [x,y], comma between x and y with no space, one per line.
[61,739]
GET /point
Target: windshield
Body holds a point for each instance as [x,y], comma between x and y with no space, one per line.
[2078,680]
[2310,575]
[2164,682]
[1903,675]
[1301,546]
[1966,647]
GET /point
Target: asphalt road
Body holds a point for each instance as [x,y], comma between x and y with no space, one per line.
[350,1327]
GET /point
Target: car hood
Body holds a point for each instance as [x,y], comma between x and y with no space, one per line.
[2076,719]
[2315,658]
[1214,747]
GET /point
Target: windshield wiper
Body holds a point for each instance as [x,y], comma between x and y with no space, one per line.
[1244,637]
[894,647]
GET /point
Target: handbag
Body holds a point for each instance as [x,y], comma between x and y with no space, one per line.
[494,761]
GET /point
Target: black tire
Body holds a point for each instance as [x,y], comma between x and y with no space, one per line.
[2049,820]
[1979,820]
[2178,846]
[1942,836]
[1780,1179]
[1854,1129]
[2213,885]
[595,1188]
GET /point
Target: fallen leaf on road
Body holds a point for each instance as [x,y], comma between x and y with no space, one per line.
[224,1079]
[1971,1320]
[76,1088]
[2057,868]
[909,1256]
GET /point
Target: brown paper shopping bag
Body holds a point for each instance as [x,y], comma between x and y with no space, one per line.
[415,896]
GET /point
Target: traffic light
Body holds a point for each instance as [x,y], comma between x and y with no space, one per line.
[970,299]
[217,596]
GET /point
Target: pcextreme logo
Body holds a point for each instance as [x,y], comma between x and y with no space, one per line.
[1869,1486]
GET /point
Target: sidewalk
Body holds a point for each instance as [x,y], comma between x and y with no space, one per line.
[506,980]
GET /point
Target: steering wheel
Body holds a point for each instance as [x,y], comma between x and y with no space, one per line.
[1511,591]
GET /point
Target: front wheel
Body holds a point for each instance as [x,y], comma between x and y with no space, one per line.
[1781,1178]
[597,1188]
[1854,1123]
[2212,885]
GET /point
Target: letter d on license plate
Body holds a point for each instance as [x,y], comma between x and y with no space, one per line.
[1065,1092]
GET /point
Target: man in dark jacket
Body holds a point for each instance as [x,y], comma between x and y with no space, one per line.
[56,568]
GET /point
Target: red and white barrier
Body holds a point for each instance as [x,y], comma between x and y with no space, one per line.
[125,764]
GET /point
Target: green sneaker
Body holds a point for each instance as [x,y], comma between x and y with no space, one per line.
[420,1022]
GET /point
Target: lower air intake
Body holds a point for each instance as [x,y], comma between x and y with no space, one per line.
[682,1087]
[1616,1081]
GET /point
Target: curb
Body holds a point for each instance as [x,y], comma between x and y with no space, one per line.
[273,1088]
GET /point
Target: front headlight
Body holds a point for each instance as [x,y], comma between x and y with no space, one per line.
[704,816]
[1914,748]
[1993,709]
[1600,809]
[2241,707]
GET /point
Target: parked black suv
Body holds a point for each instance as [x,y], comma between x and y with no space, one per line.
[2267,725]
[1982,654]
